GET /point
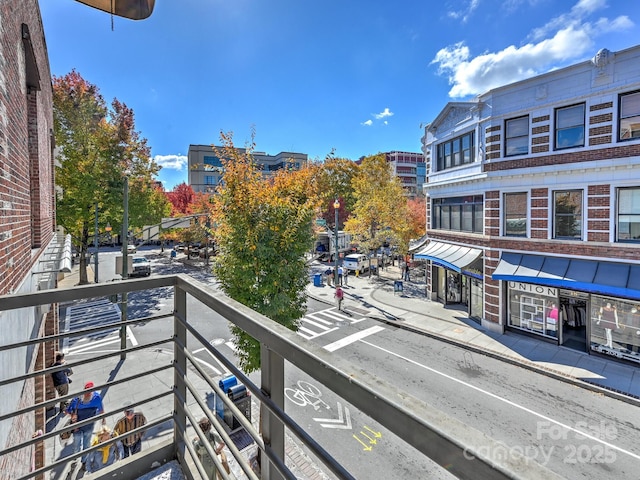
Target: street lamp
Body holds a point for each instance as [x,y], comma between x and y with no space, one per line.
[336,206]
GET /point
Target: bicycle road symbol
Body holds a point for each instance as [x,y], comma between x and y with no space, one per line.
[306,394]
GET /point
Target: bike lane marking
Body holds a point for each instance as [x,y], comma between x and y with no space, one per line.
[332,347]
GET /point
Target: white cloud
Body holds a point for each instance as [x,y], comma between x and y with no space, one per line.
[173,162]
[465,12]
[562,38]
[385,113]
[368,123]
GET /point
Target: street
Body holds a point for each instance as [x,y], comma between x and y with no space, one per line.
[575,432]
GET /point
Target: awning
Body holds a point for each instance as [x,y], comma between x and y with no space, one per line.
[606,278]
[416,245]
[454,257]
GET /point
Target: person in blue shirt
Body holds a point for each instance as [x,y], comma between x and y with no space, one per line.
[82,408]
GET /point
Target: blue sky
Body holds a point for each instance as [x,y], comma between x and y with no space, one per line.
[353,76]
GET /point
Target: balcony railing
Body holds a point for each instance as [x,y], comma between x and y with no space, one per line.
[443,439]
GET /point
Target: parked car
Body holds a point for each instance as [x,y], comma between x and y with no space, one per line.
[141,267]
[131,248]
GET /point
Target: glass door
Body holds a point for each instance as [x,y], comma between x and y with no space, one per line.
[573,319]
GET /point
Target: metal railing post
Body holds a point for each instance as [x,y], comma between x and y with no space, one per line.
[180,361]
[272,379]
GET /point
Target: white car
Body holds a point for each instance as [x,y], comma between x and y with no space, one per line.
[140,266]
[131,249]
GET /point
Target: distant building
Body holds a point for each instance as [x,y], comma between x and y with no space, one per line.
[410,168]
[205,167]
[533,206]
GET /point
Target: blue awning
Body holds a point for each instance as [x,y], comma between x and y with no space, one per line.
[454,257]
[606,278]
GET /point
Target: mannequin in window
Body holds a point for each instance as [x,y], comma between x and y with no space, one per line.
[609,319]
[552,318]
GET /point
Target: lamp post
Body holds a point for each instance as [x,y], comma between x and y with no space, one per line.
[125,266]
[336,206]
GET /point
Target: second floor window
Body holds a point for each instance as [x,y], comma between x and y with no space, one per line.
[462,214]
[515,214]
[630,116]
[567,214]
[456,152]
[516,136]
[628,228]
[570,127]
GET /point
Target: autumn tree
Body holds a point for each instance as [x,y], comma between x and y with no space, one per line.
[97,143]
[416,208]
[334,180]
[181,198]
[379,215]
[263,230]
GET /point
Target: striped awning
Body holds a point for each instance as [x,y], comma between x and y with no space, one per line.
[454,257]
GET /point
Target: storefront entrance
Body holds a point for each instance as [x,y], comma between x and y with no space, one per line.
[574,318]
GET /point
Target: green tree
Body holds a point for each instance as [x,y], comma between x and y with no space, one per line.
[263,230]
[380,213]
[333,179]
[96,145]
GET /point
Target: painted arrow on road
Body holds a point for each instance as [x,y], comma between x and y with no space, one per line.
[343,421]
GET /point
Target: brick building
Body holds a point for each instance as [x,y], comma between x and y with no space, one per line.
[533,206]
[27,218]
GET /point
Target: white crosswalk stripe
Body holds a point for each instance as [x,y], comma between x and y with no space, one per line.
[320,323]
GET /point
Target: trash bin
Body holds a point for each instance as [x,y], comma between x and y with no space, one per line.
[397,286]
[225,384]
[317,280]
[242,400]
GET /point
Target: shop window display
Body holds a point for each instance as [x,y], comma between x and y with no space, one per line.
[615,327]
[533,312]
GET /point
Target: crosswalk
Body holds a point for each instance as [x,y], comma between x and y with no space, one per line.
[320,323]
[92,314]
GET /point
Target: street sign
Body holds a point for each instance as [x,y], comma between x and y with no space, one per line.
[321,222]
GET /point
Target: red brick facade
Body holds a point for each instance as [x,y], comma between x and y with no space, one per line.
[27,210]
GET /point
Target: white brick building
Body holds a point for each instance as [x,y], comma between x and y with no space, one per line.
[533,209]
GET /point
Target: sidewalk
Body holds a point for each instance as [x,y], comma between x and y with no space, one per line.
[410,309]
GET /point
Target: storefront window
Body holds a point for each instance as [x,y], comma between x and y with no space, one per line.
[533,308]
[615,327]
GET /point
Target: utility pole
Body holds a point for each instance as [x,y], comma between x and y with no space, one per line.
[96,244]
[125,267]
[336,206]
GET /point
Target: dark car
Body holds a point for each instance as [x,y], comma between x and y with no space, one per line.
[140,266]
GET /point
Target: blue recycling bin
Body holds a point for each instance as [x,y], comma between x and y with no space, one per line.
[317,280]
[397,286]
[225,384]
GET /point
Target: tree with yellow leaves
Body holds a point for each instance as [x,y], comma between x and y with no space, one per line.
[263,230]
[379,215]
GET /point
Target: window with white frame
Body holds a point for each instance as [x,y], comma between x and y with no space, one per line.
[462,214]
[567,214]
[516,136]
[570,127]
[628,224]
[515,214]
[629,116]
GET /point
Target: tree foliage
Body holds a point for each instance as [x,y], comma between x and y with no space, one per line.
[96,144]
[263,229]
[181,198]
[334,180]
[379,214]
[417,218]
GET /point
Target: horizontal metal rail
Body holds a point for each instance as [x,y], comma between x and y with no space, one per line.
[436,435]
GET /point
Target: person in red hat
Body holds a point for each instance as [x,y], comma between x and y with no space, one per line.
[83,408]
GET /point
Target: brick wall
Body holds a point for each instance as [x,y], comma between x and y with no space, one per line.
[27,208]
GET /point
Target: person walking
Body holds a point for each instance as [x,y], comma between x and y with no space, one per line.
[216,444]
[83,408]
[339,297]
[131,420]
[340,275]
[406,272]
[61,380]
